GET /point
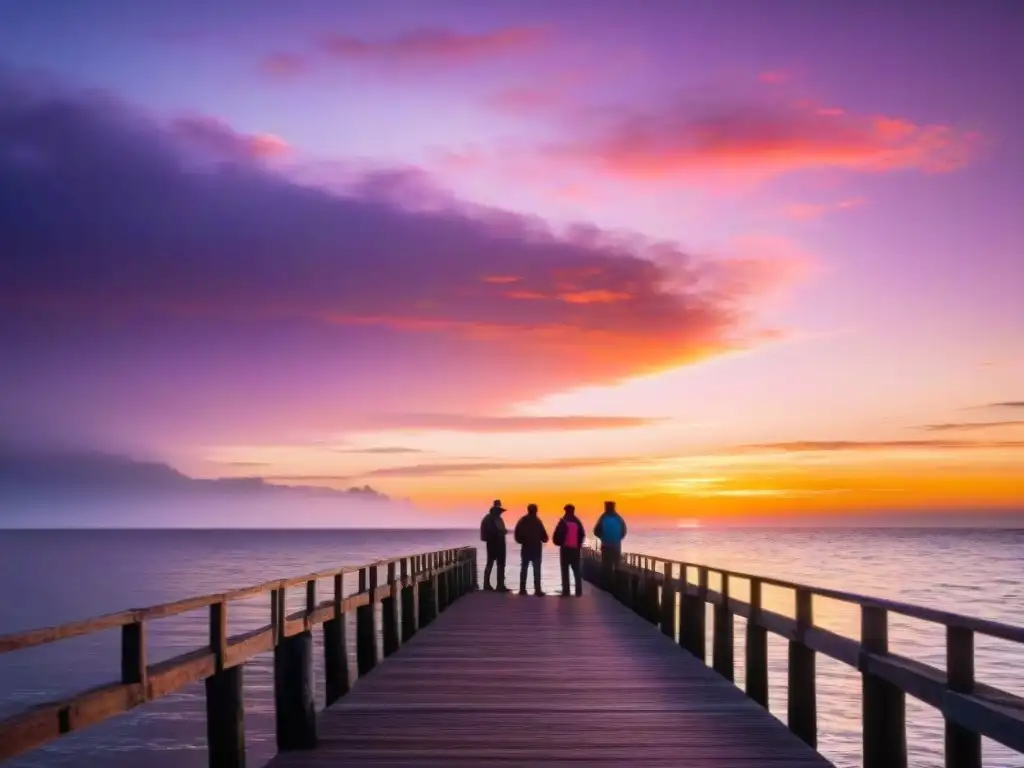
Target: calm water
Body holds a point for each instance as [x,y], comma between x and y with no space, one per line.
[52,577]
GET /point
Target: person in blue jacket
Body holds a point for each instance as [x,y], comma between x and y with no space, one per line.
[610,530]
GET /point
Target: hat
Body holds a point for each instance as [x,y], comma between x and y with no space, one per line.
[496,504]
[569,508]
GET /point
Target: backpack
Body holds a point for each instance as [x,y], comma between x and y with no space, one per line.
[611,530]
[486,528]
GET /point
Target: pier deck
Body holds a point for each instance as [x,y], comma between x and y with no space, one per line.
[510,680]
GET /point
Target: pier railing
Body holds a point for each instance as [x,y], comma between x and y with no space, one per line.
[415,590]
[650,586]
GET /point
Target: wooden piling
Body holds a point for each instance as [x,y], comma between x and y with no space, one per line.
[294,693]
[802,709]
[366,623]
[389,614]
[336,675]
[884,732]
[757,649]
[409,622]
[723,638]
[668,603]
[963,746]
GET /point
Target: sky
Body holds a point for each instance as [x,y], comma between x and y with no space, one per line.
[712,260]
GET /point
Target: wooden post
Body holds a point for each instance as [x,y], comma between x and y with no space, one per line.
[133,653]
[310,596]
[408,603]
[803,714]
[757,649]
[636,590]
[462,585]
[668,604]
[442,582]
[723,640]
[453,577]
[653,612]
[700,614]
[225,719]
[963,747]
[277,614]
[426,602]
[293,693]
[475,566]
[389,615]
[225,711]
[366,632]
[883,712]
[336,679]
[685,607]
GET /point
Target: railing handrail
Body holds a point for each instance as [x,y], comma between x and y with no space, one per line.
[988,627]
[16,641]
[971,709]
[422,584]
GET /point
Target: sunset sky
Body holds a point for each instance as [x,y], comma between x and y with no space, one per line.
[711,259]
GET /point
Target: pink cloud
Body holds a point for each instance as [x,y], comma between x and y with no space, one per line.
[759,139]
[438,46]
[807,211]
[773,77]
[527,100]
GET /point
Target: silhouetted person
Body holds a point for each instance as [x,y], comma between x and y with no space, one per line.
[569,536]
[532,535]
[492,533]
[611,530]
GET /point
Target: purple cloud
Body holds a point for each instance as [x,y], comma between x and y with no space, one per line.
[164,277]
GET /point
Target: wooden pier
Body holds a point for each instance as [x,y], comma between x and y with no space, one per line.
[476,678]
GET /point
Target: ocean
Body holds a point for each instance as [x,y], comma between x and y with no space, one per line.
[51,577]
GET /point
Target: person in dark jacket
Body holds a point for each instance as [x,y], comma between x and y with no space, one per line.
[611,530]
[493,533]
[532,535]
[569,536]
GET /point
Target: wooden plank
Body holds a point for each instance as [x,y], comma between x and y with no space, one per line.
[498,678]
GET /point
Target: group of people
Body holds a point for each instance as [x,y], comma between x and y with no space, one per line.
[531,535]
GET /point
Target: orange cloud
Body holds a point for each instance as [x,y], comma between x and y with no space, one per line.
[437,46]
[816,446]
[597,296]
[764,138]
[972,426]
